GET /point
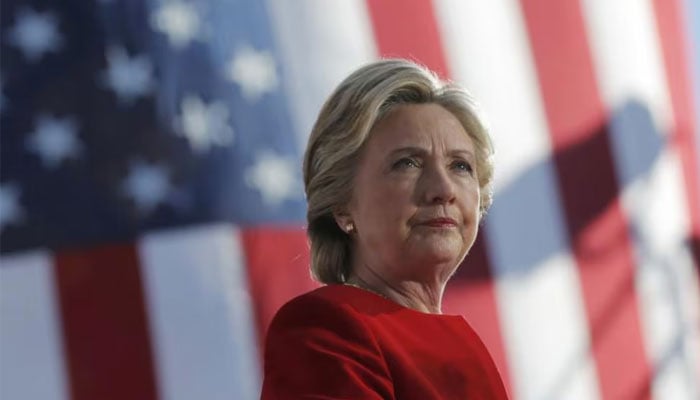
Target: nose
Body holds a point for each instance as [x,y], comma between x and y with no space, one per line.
[438,186]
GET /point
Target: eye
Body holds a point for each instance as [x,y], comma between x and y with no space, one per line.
[462,165]
[405,162]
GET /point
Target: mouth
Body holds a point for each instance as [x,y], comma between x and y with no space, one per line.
[439,223]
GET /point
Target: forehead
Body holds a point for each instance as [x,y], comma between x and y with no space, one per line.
[421,125]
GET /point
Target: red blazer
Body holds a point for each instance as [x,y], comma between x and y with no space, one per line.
[341,342]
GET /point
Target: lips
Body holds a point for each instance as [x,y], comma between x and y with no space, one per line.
[439,223]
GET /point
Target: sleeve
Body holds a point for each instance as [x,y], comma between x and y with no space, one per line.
[317,350]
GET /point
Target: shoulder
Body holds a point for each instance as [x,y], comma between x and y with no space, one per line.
[324,306]
[317,324]
[331,303]
[319,344]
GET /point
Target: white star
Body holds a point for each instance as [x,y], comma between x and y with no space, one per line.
[11,211]
[273,176]
[146,185]
[204,125]
[254,71]
[54,140]
[129,77]
[35,33]
[179,21]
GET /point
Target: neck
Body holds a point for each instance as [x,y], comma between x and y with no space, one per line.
[426,298]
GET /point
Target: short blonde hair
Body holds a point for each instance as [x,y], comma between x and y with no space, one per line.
[342,128]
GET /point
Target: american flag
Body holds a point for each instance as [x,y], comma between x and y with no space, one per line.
[152,210]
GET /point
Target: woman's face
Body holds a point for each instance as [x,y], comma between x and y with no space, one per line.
[415,202]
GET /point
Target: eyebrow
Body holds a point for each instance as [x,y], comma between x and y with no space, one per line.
[421,151]
[408,149]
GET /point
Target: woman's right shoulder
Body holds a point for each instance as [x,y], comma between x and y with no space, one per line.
[319,346]
[318,306]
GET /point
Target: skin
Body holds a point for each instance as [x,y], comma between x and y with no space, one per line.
[415,206]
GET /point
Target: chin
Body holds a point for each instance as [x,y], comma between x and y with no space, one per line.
[440,255]
[436,249]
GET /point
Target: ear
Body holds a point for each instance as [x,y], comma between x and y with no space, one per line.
[344,221]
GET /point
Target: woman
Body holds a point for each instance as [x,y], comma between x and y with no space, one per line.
[398,175]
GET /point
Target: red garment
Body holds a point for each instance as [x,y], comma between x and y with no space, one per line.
[341,342]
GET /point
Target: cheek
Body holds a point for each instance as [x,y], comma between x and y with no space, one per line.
[471,199]
[476,201]
[385,209]
[389,204]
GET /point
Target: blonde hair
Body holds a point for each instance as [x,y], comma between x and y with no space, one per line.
[342,128]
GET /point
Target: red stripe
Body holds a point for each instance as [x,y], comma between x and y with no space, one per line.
[105,326]
[677,63]
[597,225]
[278,270]
[408,28]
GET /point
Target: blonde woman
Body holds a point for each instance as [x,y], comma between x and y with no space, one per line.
[398,176]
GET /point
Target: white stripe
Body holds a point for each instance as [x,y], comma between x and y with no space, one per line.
[666,282]
[629,66]
[320,42]
[31,350]
[539,294]
[200,313]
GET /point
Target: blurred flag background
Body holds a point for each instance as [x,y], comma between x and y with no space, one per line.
[152,210]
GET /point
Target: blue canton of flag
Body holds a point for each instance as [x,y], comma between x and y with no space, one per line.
[150,115]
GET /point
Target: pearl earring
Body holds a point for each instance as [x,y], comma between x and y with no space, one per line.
[349,227]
